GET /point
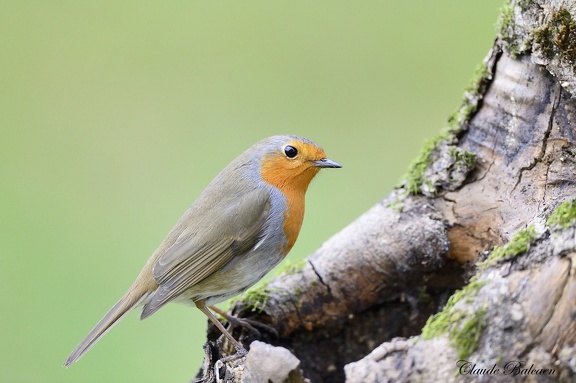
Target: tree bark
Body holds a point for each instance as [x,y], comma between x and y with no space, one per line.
[472,212]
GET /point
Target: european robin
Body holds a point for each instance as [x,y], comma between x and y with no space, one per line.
[240,227]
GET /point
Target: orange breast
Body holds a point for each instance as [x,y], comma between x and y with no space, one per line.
[293,183]
[293,218]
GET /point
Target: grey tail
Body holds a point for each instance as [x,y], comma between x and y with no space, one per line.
[124,305]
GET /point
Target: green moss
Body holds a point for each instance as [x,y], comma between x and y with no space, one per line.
[520,243]
[506,19]
[396,204]
[462,158]
[564,215]
[557,38]
[506,30]
[469,103]
[514,39]
[480,74]
[440,322]
[256,297]
[466,337]
[414,177]
[463,328]
[415,181]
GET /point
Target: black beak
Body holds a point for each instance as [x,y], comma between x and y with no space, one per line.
[326,163]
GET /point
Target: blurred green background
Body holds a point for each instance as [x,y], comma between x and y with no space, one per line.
[115,115]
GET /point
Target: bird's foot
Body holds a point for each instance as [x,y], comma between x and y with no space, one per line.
[248,324]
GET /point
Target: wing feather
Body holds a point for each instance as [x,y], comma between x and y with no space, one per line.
[200,251]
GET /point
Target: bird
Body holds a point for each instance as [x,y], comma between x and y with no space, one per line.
[240,227]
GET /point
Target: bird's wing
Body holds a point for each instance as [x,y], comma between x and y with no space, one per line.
[200,251]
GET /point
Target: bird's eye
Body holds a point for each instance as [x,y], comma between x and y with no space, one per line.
[290,151]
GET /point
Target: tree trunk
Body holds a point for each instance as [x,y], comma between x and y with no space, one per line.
[481,210]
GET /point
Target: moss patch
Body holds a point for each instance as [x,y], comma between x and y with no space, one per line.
[463,327]
[462,158]
[520,243]
[441,165]
[415,178]
[506,31]
[469,103]
[256,297]
[467,336]
[506,19]
[558,36]
[514,39]
[454,162]
[564,215]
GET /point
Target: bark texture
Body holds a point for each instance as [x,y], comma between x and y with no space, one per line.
[472,212]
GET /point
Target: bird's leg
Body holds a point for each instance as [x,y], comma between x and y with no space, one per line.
[244,322]
[240,350]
